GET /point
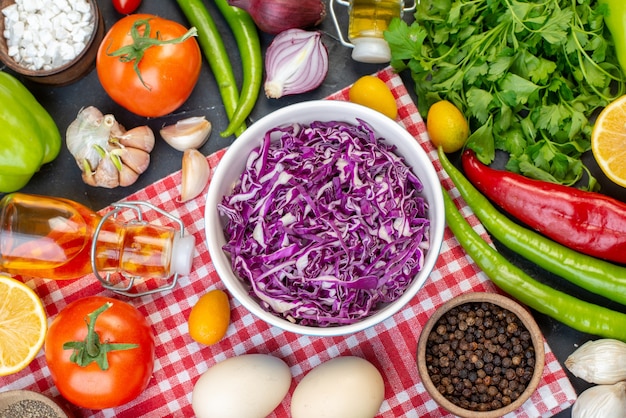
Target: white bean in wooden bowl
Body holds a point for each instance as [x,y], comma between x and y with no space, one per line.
[50,41]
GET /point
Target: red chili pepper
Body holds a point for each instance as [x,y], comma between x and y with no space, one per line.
[588,222]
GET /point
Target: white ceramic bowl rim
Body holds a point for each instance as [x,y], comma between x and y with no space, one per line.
[234,160]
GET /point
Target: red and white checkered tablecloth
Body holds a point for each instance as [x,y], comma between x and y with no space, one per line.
[390,346]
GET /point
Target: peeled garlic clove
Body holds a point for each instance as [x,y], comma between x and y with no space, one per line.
[188,133]
[601,361]
[140,137]
[195,174]
[602,401]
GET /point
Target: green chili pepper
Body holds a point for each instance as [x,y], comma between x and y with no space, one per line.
[30,137]
[615,21]
[575,313]
[214,52]
[247,37]
[595,275]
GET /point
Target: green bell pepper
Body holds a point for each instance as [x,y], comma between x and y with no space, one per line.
[29,137]
[615,21]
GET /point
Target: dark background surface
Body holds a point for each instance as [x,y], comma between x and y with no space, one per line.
[62,177]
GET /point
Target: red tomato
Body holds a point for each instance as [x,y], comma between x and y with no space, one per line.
[129,370]
[167,73]
[126,7]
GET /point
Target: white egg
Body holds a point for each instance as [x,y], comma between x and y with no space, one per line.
[246,386]
[343,387]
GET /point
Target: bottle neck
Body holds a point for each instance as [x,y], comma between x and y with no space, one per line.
[134,249]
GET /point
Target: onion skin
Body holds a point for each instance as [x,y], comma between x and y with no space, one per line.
[275,16]
[295,62]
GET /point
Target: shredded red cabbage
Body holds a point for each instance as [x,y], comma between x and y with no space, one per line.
[326,223]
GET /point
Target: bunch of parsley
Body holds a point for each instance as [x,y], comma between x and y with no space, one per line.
[528,75]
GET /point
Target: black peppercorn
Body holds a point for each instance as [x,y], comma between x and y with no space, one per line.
[28,408]
[482,356]
[506,362]
[444,362]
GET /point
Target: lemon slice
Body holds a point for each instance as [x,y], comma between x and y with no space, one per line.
[608,141]
[23,325]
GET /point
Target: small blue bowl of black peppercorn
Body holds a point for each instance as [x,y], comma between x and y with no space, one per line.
[481,355]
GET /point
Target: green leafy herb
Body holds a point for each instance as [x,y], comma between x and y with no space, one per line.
[528,75]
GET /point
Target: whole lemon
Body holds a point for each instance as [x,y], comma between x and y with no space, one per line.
[446,126]
[209,317]
[372,92]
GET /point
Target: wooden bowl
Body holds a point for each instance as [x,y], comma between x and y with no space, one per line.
[67,73]
[33,404]
[503,302]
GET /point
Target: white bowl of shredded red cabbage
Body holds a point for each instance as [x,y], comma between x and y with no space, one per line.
[324,218]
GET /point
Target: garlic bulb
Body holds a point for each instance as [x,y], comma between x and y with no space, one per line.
[602,401]
[195,174]
[188,133]
[107,154]
[295,62]
[601,361]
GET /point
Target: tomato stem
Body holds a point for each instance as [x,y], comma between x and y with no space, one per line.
[91,349]
[141,42]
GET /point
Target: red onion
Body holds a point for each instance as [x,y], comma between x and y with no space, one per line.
[295,62]
[275,16]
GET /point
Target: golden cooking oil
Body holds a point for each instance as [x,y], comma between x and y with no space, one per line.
[369,18]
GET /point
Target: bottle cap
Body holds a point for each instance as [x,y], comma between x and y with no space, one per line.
[371,50]
[182,254]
